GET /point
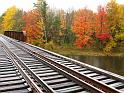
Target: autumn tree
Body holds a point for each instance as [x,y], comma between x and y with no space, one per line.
[102,27]
[116,25]
[33,27]
[114,17]
[83,28]
[8,22]
[41,6]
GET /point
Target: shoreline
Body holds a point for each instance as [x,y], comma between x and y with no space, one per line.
[83,52]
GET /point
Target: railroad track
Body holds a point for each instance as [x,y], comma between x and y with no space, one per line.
[103,80]
[10,78]
[49,78]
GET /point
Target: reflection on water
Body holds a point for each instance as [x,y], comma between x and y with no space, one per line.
[113,64]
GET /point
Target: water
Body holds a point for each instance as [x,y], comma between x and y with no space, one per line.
[112,64]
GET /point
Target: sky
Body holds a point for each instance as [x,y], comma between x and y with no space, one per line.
[59,4]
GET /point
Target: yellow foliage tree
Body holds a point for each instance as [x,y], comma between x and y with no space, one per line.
[8,21]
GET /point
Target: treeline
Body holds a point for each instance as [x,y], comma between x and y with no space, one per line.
[103,30]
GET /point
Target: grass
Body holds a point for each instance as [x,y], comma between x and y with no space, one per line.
[71,50]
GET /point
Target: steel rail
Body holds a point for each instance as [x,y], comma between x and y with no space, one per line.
[104,72]
[32,84]
[62,71]
[96,69]
[113,75]
[82,77]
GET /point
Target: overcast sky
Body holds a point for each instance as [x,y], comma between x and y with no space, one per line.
[61,4]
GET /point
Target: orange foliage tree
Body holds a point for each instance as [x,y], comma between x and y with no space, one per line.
[83,27]
[33,27]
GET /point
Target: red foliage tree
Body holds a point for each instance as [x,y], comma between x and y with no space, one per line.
[102,26]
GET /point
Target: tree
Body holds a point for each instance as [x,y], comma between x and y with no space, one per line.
[67,36]
[53,26]
[83,28]
[121,9]
[1,20]
[114,17]
[63,19]
[8,22]
[18,20]
[42,8]
[33,27]
[116,25]
[50,19]
[102,27]
[56,29]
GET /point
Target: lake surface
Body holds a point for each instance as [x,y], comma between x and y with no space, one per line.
[112,64]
